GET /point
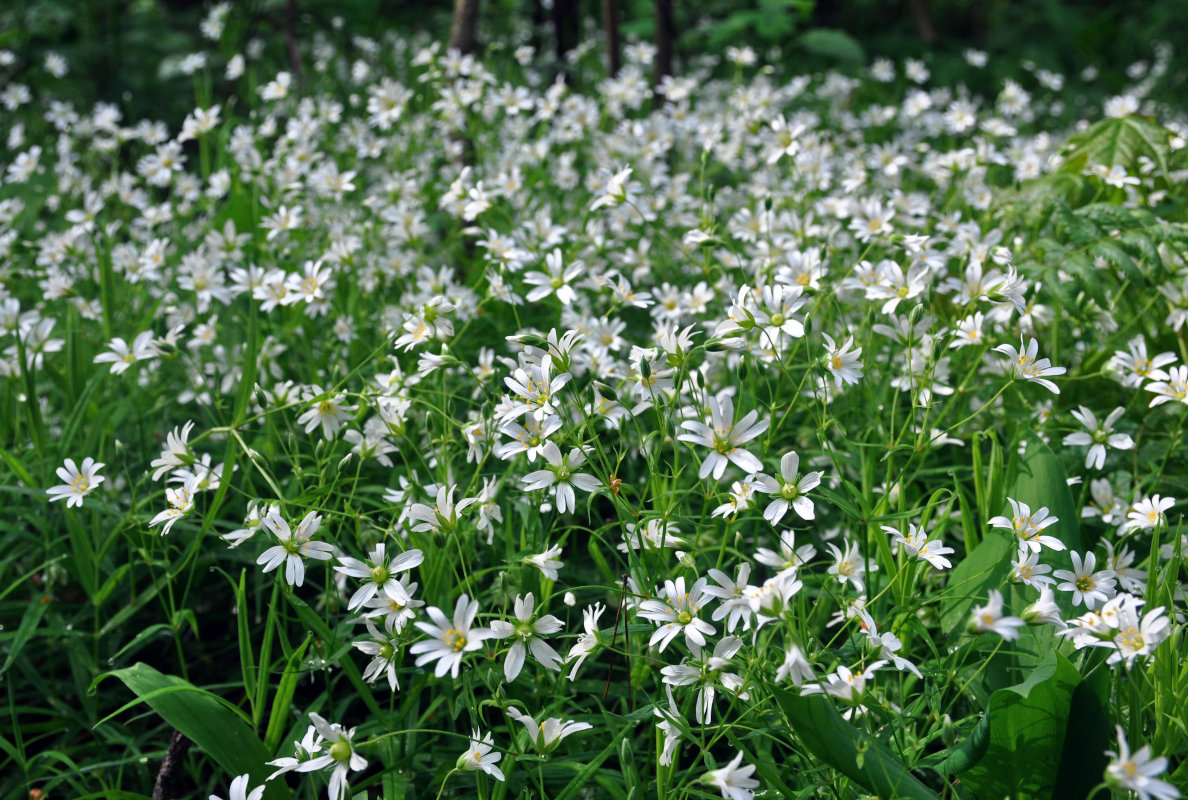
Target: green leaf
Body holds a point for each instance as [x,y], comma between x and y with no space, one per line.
[1028,723]
[283,700]
[203,719]
[1041,483]
[971,751]
[582,779]
[1118,142]
[838,743]
[314,620]
[1089,736]
[29,623]
[834,44]
[970,581]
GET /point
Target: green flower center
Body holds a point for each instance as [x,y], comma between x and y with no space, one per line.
[341,751]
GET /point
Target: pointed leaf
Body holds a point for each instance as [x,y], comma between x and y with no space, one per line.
[838,743]
[203,719]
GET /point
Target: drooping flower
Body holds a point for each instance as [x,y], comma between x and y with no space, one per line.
[481,755]
[734,781]
[547,735]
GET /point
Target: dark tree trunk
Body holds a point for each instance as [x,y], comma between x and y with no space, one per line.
[610,24]
[565,32]
[538,23]
[168,784]
[291,39]
[664,35]
[923,19]
[463,36]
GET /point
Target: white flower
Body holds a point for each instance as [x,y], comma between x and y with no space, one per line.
[733,780]
[790,556]
[341,756]
[916,544]
[796,667]
[676,611]
[989,618]
[1136,772]
[560,476]
[788,490]
[735,607]
[1044,609]
[239,790]
[1174,387]
[449,641]
[378,574]
[1029,571]
[547,562]
[1147,513]
[1099,436]
[121,355]
[849,566]
[1130,635]
[329,412]
[443,514]
[535,390]
[1026,366]
[615,191]
[181,502]
[383,647]
[723,436]
[481,755]
[587,640]
[841,362]
[548,734]
[77,482]
[1029,527]
[527,638]
[1085,584]
[176,453]
[294,547]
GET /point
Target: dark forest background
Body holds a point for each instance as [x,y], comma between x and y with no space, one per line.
[121,50]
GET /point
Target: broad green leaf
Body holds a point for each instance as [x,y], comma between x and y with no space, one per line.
[838,743]
[834,44]
[1089,736]
[969,753]
[203,719]
[970,581]
[1039,481]
[1028,723]
[1118,142]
